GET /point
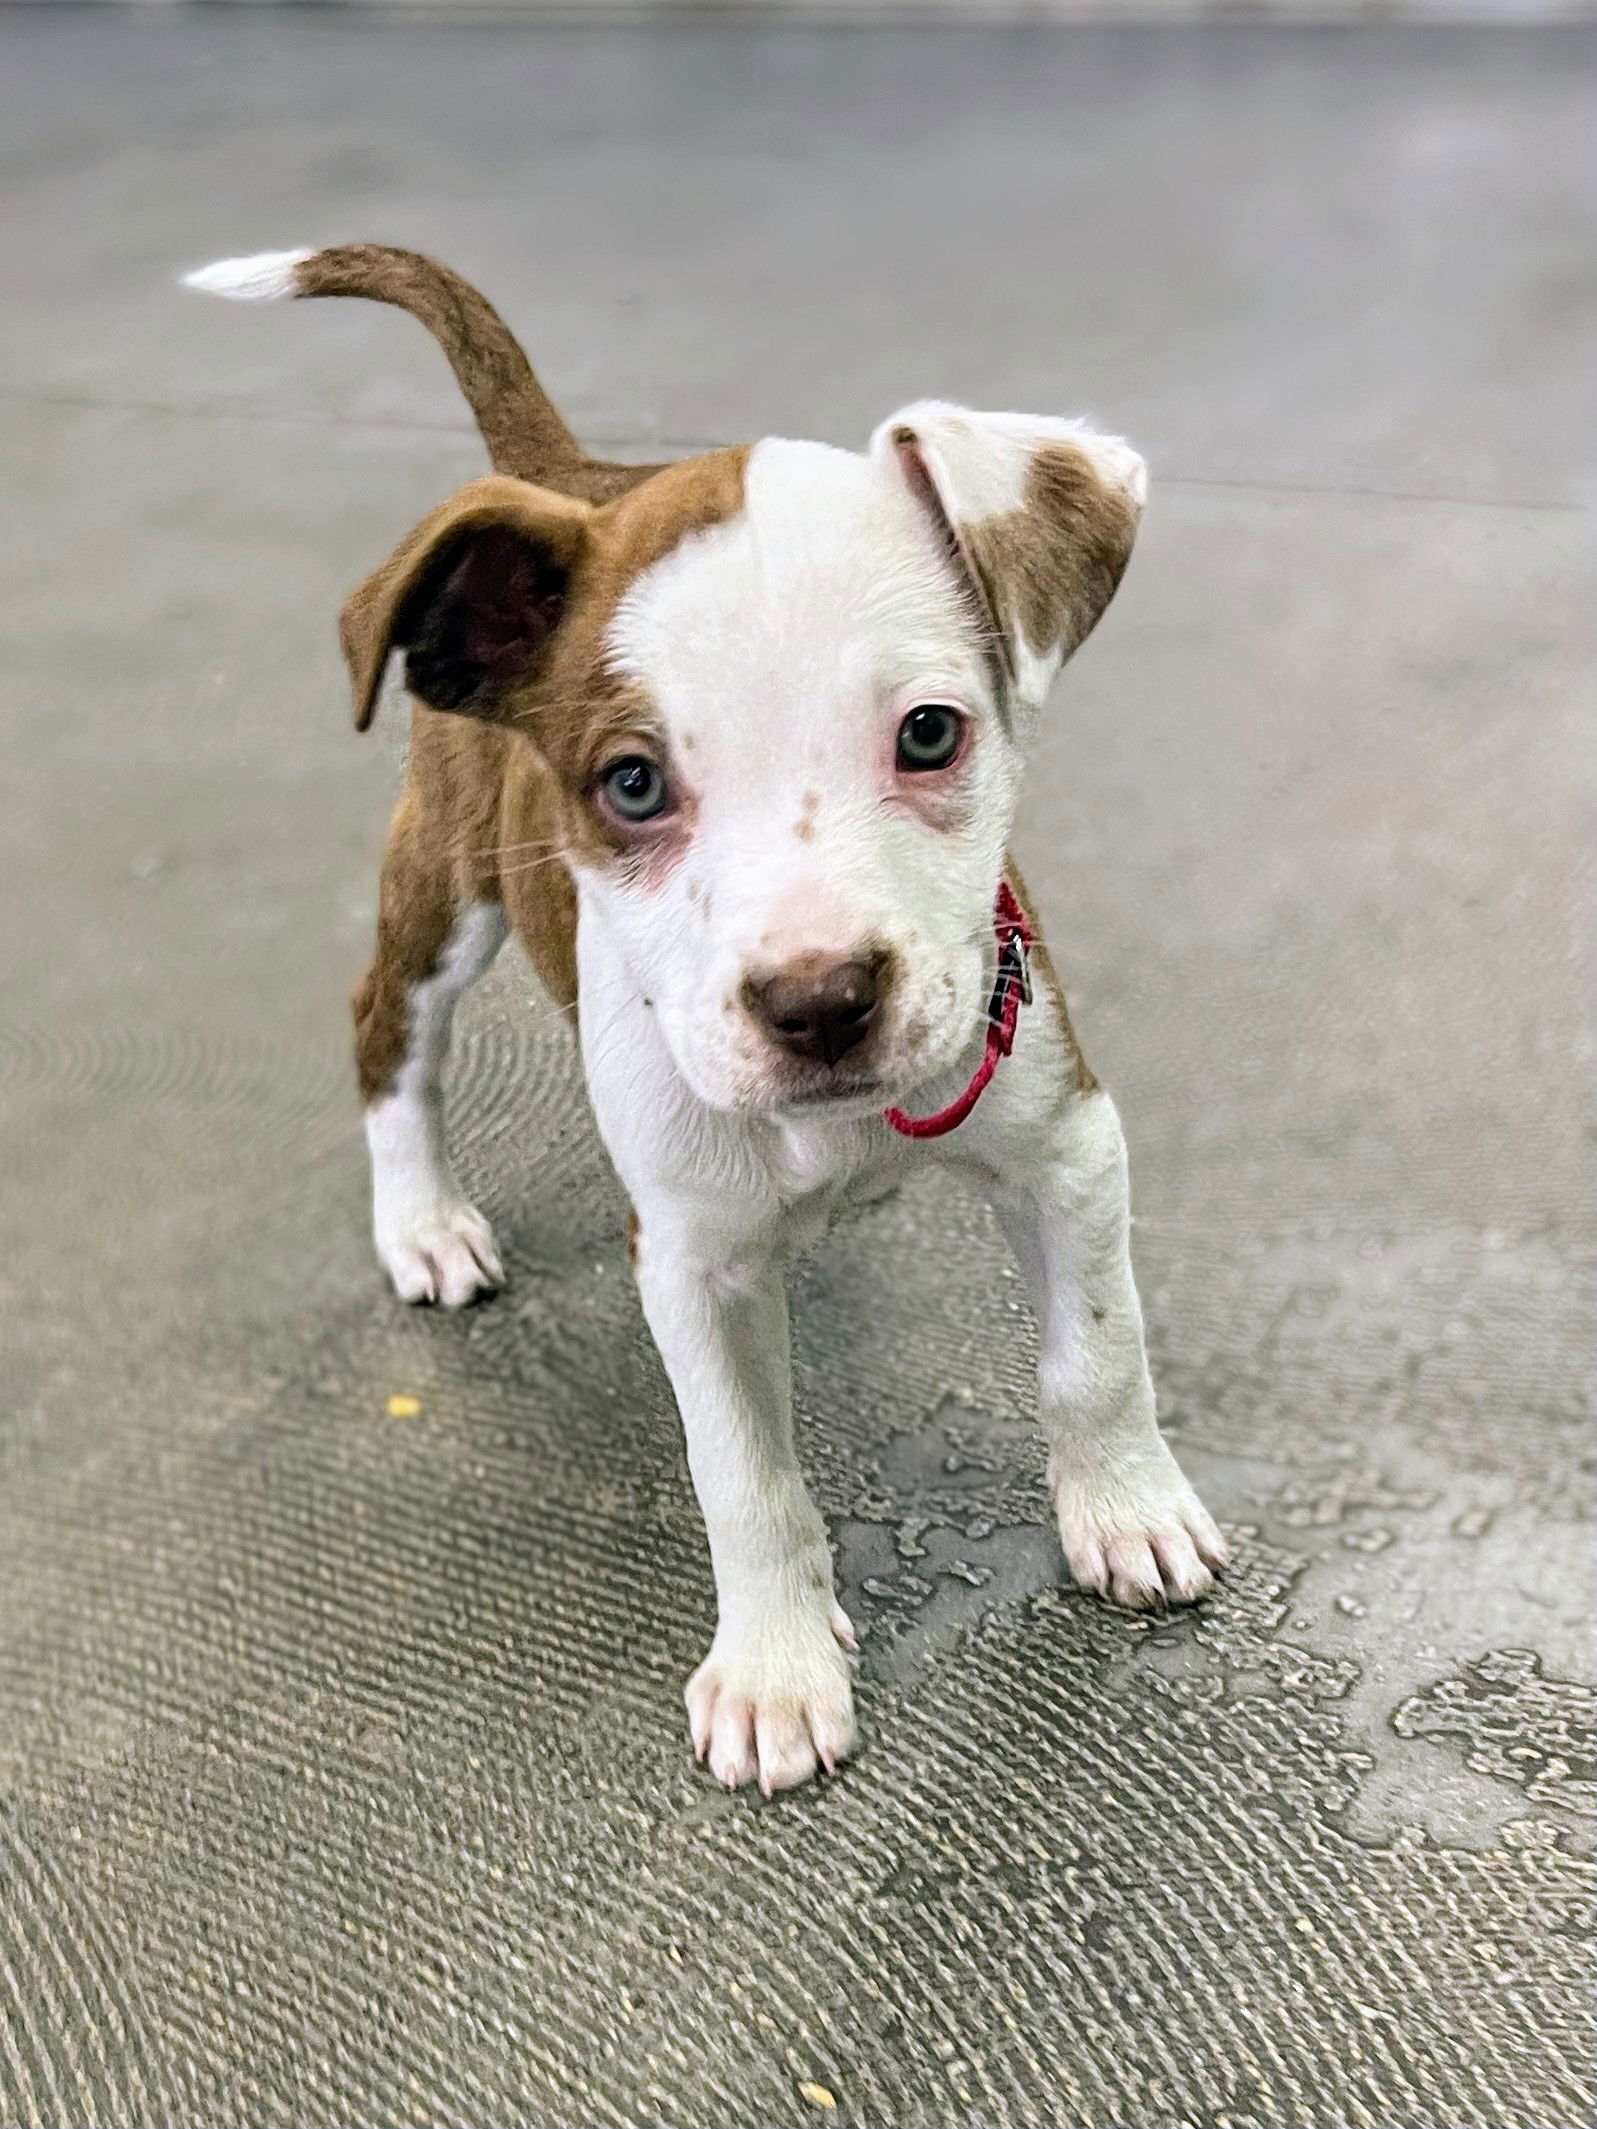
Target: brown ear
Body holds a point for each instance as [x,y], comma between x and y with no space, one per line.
[472,597]
[1039,517]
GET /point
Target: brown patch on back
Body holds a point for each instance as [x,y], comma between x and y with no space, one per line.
[1053,565]
[1083,1078]
[599,481]
[634,1229]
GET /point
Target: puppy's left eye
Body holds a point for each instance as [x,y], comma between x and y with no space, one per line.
[635,788]
[929,737]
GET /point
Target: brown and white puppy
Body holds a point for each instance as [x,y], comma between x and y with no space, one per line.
[734,746]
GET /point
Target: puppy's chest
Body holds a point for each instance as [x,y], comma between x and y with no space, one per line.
[818,1177]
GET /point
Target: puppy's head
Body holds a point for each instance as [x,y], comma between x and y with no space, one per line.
[782,692]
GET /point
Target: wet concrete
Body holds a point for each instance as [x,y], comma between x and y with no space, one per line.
[344,1774]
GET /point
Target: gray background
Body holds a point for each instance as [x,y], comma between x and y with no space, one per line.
[343,1774]
[896,13]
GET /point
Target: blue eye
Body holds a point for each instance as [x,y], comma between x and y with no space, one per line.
[635,788]
[929,737]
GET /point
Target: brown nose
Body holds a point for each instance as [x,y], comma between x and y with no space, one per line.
[817,1008]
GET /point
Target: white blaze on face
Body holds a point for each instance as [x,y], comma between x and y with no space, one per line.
[781,650]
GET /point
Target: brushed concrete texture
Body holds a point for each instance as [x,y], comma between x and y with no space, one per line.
[344,1772]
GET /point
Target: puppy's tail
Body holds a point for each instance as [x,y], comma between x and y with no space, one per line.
[524,434]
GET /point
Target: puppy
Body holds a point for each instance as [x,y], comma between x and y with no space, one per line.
[734,746]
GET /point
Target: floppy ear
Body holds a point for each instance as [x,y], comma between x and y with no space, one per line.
[1039,517]
[472,597]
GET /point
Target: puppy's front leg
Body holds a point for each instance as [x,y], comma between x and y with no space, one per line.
[773,1699]
[1131,1526]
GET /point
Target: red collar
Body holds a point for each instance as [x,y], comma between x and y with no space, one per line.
[1011,990]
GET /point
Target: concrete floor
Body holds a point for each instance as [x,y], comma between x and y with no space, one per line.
[344,1772]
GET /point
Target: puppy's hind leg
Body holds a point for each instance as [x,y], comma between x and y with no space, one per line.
[432,945]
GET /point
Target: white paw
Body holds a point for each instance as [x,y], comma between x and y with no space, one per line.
[774,1707]
[1137,1533]
[445,1253]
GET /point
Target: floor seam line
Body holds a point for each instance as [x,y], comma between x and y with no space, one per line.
[383,425]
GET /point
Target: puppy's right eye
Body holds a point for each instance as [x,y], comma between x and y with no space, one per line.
[635,789]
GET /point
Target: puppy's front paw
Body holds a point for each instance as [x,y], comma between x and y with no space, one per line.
[442,1253]
[1138,1534]
[774,1705]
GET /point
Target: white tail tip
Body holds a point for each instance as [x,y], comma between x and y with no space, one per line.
[262,278]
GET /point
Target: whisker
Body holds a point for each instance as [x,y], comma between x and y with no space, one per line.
[592,1042]
[504,850]
[511,872]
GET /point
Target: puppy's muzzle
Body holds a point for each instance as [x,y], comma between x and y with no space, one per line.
[817,1009]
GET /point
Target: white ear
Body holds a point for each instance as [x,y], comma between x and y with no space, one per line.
[1040,516]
